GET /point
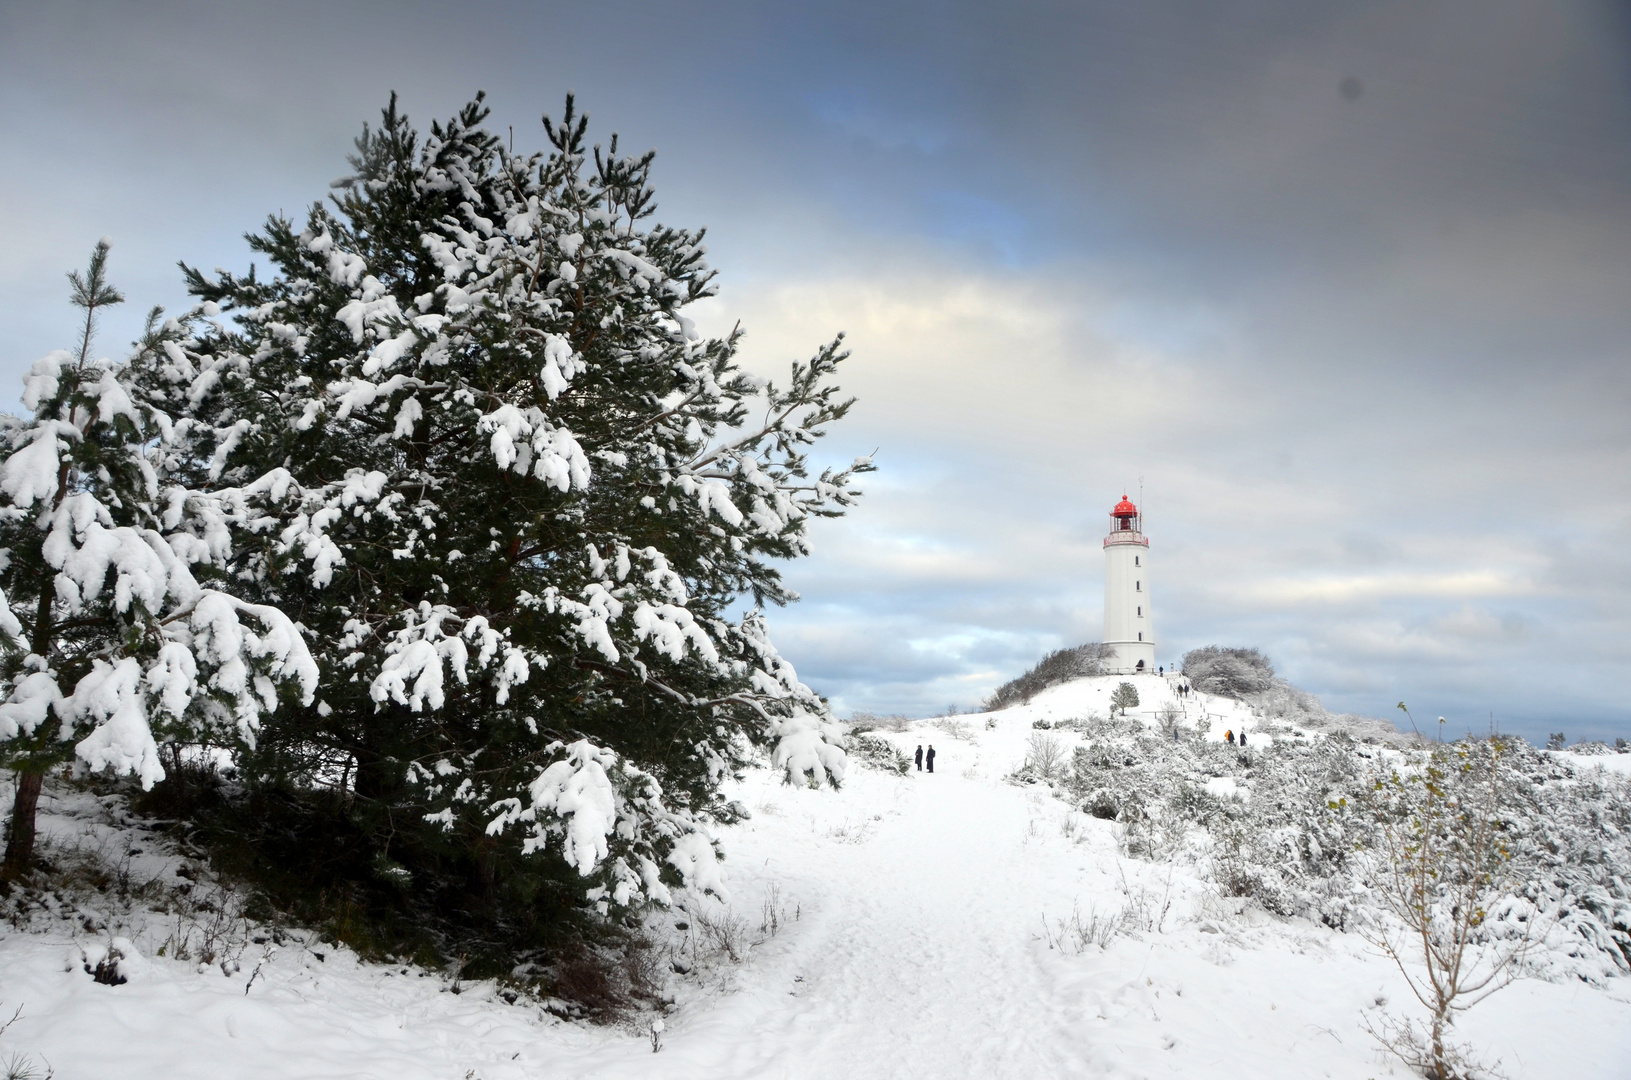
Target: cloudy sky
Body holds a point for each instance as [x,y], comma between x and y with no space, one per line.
[1345,289]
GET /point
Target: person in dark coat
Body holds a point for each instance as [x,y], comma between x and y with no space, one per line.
[931,757]
[919,757]
[1242,736]
[1229,736]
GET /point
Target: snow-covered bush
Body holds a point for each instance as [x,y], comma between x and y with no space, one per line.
[1570,833]
[1295,825]
[865,721]
[1227,672]
[1292,845]
[520,498]
[877,752]
[1121,769]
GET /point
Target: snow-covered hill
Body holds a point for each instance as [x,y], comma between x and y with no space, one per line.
[1080,698]
[944,925]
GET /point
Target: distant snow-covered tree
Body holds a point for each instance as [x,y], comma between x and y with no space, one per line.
[1056,667]
[122,619]
[1124,697]
[526,499]
[1232,673]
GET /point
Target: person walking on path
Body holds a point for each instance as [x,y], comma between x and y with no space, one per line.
[931,757]
[1229,736]
[920,759]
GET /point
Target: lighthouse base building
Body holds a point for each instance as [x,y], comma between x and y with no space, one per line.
[1129,625]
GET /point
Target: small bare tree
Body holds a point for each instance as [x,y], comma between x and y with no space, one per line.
[1444,862]
[1047,755]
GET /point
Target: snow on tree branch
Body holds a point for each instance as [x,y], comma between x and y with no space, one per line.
[517,489]
[106,541]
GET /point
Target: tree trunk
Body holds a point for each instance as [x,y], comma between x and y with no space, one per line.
[20,840]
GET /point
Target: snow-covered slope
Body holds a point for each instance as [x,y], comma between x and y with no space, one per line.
[927,926]
[1082,698]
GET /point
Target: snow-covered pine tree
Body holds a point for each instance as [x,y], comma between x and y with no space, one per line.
[527,498]
[118,618]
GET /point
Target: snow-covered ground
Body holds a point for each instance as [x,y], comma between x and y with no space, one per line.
[1620,763]
[919,936]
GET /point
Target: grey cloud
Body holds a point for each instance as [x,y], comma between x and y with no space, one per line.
[1368,351]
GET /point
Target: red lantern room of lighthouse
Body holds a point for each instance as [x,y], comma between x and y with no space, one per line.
[1129,625]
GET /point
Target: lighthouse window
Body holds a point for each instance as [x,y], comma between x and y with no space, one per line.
[1140,613]
[1138,586]
[1135,560]
[1141,638]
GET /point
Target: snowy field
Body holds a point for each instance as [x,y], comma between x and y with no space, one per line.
[917,935]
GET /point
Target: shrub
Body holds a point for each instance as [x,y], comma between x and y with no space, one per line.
[877,752]
[1228,672]
[1046,756]
[1444,862]
[865,721]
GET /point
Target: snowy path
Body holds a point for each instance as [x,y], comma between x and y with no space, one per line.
[919,954]
[914,970]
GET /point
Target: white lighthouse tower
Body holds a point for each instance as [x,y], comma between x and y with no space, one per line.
[1129,628]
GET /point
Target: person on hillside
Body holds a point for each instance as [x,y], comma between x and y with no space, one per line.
[920,759]
[1229,736]
[1243,737]
[931,757]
